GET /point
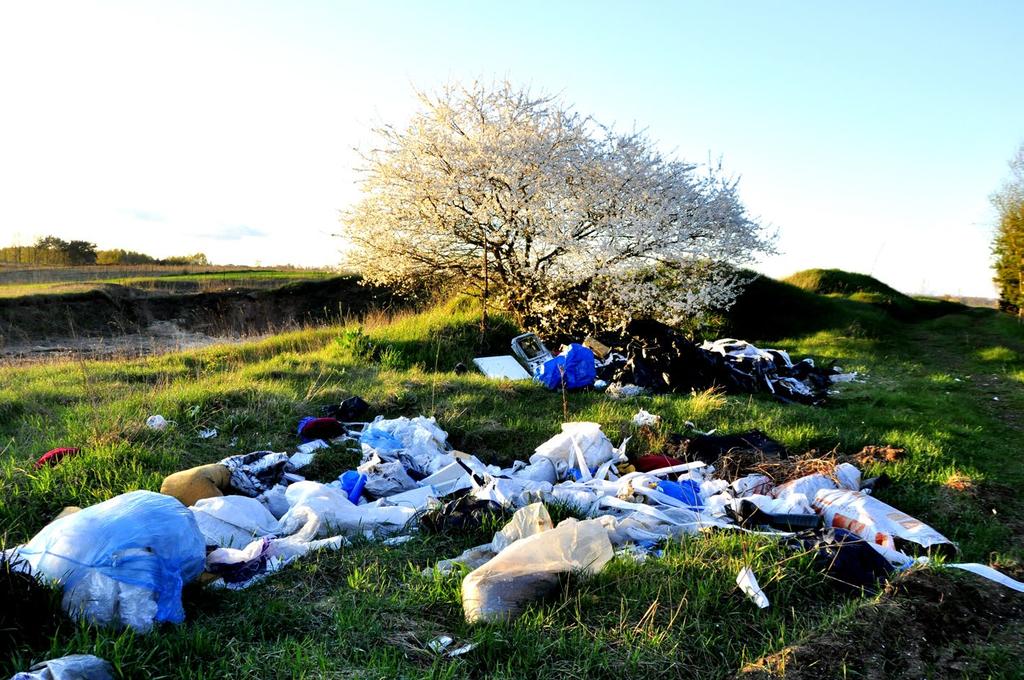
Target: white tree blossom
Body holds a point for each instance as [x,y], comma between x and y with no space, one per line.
[565,221]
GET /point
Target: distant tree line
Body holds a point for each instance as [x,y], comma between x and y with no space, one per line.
[1008,244]
[52,250]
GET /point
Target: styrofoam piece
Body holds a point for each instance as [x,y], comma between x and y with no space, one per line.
[448,479]
[504,366]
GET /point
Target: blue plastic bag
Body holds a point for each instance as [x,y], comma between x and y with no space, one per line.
[578,364]
[142,538]
[687,491]
[380,440]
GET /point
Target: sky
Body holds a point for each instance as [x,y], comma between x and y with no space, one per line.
[868,135]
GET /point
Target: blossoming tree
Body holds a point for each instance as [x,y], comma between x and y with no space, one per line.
[553,217]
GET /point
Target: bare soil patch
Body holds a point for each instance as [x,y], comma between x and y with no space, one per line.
[927,624]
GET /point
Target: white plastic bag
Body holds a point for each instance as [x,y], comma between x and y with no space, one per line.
[750,485]
[513,492]
[645,419]
[275,500]
[580,446]
[790,504]
[848,477]
[527,521]
[319,510]
[233,521]
[531,568]
[540,470]
[157,422]
[73,667]
[575,495]
[423,442]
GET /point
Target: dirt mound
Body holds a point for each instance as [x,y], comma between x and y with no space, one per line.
[117,310]
[927,624]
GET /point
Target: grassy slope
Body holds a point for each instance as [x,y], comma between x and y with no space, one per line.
[367,612]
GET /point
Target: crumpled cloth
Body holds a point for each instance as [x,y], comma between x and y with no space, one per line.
[257,472]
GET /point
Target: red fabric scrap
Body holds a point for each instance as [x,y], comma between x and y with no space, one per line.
[322,428]
[648,463]
[53,457]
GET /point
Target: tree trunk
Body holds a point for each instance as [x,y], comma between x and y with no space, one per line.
[483,303]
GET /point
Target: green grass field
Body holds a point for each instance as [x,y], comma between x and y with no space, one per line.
[945,383]
[22,280]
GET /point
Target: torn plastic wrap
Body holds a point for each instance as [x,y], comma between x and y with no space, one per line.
[527,521]
[418,443]
[645,419]
[257,472]
[237,566]
[385,478]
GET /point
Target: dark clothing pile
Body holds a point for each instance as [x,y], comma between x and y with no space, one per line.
[656,357]
[711,447]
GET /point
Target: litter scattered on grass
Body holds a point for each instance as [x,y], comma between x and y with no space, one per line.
[123,562]
[747,582]
[157,422]
[645,419]
[54,456]
[443,645]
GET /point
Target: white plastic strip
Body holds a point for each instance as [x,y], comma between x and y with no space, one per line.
[748,584]
[991,574]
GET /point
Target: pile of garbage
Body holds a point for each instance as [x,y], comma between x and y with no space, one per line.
[650,357]
[657,358]
[230,524]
